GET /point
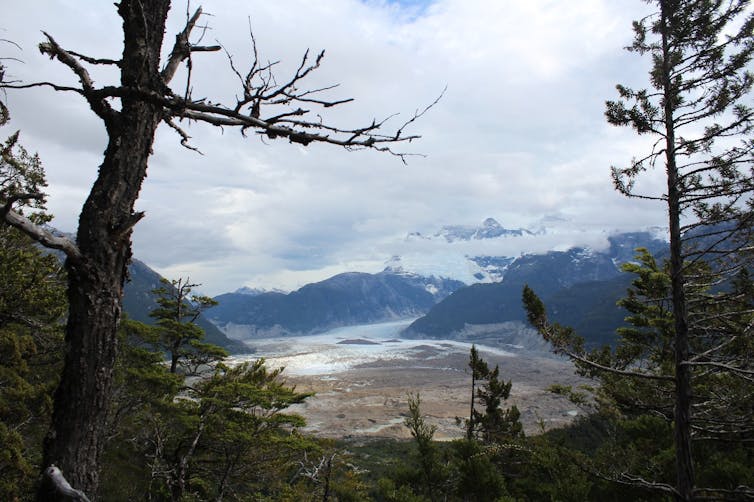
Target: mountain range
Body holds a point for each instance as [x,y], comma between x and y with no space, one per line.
[345,299]
[579,285]
[490,229]
[138,301]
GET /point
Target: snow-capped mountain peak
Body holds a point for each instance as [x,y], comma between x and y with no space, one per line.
[484,253]
[245,290]
[489,229]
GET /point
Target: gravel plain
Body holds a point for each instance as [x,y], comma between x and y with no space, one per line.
[370,399]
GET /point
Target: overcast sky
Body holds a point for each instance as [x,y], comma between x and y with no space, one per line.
[519,134]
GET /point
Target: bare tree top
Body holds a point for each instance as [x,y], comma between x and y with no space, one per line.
[266,104]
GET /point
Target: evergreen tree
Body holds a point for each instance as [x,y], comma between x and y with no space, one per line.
[497,425]
[696,110]
[179,335]
[423,434]
[32,308]
[479,371]
[493,424]
[131,110]
[637,391]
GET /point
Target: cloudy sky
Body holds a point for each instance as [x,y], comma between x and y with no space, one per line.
[519,134]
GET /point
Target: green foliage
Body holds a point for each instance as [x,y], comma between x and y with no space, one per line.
[389,492]
[478,478]
[225,435]
[700,53]
[32,307]
[635,395]
[649,335]
[22,179]
[493,424]
[698,111]
[180,336]
[433,475]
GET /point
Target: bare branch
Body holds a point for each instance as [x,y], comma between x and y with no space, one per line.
[418,114]
[726,367]
[183,134]
[91,60]
[98,104]
[615,371]
[627,479]
[39,234]
[631,480]
[549,331]
[56,87]
[720,493]
[206,48]
[182,48]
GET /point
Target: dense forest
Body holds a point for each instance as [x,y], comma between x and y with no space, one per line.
[95,406]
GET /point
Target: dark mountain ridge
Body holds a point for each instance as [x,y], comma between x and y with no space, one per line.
[579,286]
[139,301]
[345,299]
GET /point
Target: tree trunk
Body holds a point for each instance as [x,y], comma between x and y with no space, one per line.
[682,412]
[95,284]
[470,428]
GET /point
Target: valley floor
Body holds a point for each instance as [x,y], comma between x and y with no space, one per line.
[370,400]
[362,375]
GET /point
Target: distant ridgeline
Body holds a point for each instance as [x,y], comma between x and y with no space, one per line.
[345,299]
[580,288]
[138,301]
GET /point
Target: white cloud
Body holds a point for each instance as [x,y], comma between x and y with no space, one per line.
[519,133]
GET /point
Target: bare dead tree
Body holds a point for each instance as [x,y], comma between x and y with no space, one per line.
[96,262]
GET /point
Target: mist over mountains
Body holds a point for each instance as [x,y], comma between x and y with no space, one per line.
[579,285]
[450,291]
[482,253]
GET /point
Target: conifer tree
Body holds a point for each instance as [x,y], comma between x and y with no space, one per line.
[32,307]
[637,388]
[423,433]
[697,110]
[493,424]
[178,333]
[479,371]
[131,110]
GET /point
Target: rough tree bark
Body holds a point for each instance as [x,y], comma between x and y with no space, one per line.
[95,281]
[97,262]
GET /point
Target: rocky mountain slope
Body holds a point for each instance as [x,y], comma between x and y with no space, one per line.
[579,286]
[138,301]
[345,299]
